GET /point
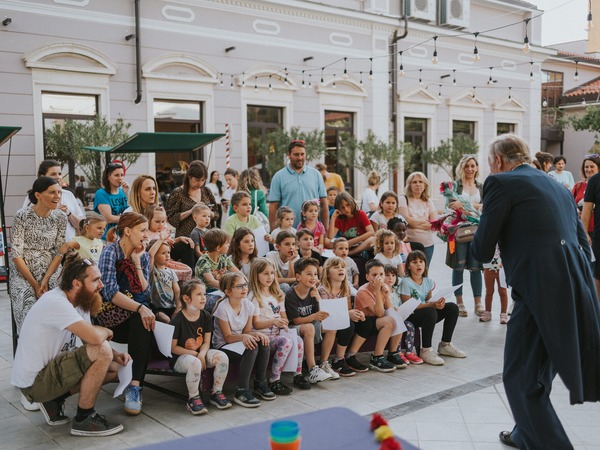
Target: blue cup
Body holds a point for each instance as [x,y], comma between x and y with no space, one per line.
[284,431]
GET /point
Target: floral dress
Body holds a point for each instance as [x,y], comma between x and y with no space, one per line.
[37,240]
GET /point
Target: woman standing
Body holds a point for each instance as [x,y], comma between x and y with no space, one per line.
[144,192]
[111,199]
[38,244]
[231,178]
[469,190]
[179,208]
[125,268]
[250,182]
[370,201]
[590,166]
[418,209]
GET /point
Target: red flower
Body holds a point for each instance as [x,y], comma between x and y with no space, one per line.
[377,421]
[390,444]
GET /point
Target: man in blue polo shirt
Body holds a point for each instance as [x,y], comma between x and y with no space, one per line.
[295,184]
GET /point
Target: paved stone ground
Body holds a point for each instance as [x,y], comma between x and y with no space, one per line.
[460,405]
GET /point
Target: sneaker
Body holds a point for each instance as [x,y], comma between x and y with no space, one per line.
[95,425]
[503,318]
[133,400]
[245,398]
[54,412]
[343,368]
[262,389]
[451,350]
[326,367]
[317,375]
[430,357]
[195,406]
[28,406]
[413,358]
[279,388]
[396,360]
[219,400]
[301,381]
[355,365]
[404,358]
[381,364]
[486,316]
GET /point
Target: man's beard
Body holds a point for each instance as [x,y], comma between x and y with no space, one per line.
[88,301]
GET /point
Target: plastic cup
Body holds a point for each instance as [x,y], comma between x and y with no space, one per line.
[285,435]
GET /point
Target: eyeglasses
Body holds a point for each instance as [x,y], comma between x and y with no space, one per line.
[241,286]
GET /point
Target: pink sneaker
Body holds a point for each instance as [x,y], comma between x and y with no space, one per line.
[404,358]
[413,358]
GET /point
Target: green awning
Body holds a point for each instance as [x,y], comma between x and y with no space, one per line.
[161,142]
[6,133]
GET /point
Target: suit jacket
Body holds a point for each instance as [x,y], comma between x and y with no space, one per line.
[546,255]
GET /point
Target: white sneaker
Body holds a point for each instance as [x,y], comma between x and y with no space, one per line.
[510,307]
[326,367]
[29,406]
[429,356]
[447,349]
[317,374]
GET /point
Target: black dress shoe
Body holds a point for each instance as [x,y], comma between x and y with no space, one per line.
[506,439]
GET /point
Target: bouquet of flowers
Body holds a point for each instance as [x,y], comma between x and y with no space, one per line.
[451,220]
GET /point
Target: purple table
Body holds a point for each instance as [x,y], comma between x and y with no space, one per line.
[331,429]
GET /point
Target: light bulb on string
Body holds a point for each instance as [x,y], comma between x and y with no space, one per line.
[440,91]
[270,87]
[360,74]
[310,80]
[285,81]
[371,69]
[333,85]
[255,84]
[453,77]
[231,84]
[526,47]
[303,83]
[576,76]
[531,77]
[476,56]
[490,81]
[322,81]
[390,79]
[221,82]
[473,96]
[243,79]
[421,77]
[589,17]
[544,101]
[509,93]
[345,75]
[401,70]
[435,60]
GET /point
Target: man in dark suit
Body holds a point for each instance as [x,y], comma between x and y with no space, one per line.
[555,324]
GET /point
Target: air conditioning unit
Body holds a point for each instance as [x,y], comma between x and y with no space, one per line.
[420,9]
[454,13]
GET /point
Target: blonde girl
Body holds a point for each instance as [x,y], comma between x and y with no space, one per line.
[388,209]
[242,249]
[387,249]
[310,221]
[269,299]
[285,221]
[191,348]
[335,285]
[234,314]
[91,230]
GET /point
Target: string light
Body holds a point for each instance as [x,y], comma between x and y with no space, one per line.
[526,47]
[420,77]
[476,56]
[360,73]
[531,77]
[390,79]
[231,85]
[255,84]
[243,80]
[440,91]
[303,84]
[509,93]
[589,16]
[333,85]
[401,72]
[576,76]
[270,87]
[285,81]
[345,69]
[435,60]
[309,80]
[544,101]
[453,77]
[490,81]
[371,69]
[473,96]
[221,76]
[322,81]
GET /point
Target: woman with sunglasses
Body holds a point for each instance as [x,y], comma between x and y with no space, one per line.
[469,190]
[111,199]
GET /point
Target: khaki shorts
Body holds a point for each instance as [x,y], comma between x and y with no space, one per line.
[61,375]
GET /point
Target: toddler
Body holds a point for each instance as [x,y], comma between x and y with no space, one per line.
[91,230]
[202,215]
[387,249]
[164,295]
[285,222]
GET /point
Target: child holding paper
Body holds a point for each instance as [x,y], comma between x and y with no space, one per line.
[233,324]
[335,285]
[419,286]
[373,299]
[243,249]
[191,348]
[392,279]
[268,298]
[302,309]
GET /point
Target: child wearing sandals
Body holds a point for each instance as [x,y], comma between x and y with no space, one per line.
[392,279]
[269,299]
[233,315]
[491,276]
[191,348]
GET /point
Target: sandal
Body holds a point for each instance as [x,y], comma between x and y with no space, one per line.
[462,311]
[486,316]
[479,309]
[503,318]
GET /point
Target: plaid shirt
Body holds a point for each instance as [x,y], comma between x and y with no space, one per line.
[107,265]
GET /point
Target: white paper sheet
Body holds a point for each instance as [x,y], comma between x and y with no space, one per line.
[447,293]
[237,347]
[262,246]
[163,333]
[327,253]
[407,308]
[291,363]
[502,276]
[337,308]
[400,327]
[125,374]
